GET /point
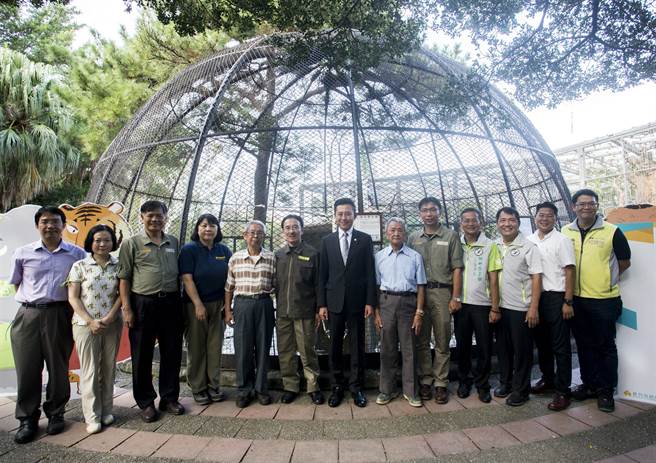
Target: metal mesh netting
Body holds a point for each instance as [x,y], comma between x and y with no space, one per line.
[243,136]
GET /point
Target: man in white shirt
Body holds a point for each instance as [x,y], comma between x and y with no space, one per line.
[552,335]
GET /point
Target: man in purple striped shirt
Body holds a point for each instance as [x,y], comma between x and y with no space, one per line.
[41,330]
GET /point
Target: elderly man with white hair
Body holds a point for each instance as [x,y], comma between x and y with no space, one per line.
[250,284]
[401,280]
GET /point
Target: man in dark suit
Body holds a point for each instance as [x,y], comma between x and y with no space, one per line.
[347,290]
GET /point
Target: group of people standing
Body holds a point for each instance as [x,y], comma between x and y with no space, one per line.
[517,289]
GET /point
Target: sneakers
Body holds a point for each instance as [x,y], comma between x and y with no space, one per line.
[94,428]
[383,398]
[413,401]
[107,420]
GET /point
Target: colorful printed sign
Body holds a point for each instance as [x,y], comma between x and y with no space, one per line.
[635,330]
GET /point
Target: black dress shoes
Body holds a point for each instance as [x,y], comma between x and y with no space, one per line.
[317,398]
[464,390]
[55,425]
[288,397]
[26,432]
[542,387]
[359,399]
[172,407]
[336,397]
[502,391]
[149,414]
[484,396]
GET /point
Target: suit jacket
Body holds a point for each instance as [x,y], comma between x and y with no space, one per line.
[347,288]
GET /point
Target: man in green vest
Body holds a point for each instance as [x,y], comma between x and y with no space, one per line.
[602,254]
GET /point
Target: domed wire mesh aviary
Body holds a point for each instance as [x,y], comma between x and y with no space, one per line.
[244,134]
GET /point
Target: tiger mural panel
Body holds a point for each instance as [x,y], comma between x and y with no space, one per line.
[80,219]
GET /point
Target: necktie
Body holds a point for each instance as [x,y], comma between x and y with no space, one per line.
[345,247]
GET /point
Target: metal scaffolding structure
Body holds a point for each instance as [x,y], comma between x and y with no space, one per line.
[621,167]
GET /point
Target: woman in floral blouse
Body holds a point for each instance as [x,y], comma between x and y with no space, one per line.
[97,325]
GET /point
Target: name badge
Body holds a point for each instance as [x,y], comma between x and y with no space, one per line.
[220,257]
[304,258]
[146,251]
[442,243]
[170,250]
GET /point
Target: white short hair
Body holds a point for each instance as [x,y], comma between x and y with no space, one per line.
[398,220]
[254,222]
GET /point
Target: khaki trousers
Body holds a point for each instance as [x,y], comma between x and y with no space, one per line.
[297,335]
[97,353]
[204,345]
[437,319]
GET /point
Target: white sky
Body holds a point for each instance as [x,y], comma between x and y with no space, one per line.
[599,114]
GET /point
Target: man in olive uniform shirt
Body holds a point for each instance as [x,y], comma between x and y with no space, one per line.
[442,254]
[148,270]
[296,281]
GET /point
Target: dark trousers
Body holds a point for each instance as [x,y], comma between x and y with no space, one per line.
[552,338]
[253,330]
[37,336]
[515,347]
[161,319]
[594,330]
[397,314]
[473,319]
[338,323]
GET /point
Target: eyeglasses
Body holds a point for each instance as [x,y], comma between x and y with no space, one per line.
[256,233]
[425,210]
[590,205]
[469,221]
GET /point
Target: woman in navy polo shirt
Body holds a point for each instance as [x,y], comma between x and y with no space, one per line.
[203,267]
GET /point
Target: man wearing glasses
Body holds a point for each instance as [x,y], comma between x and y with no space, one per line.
[249,284]
[442,254]
[602,254]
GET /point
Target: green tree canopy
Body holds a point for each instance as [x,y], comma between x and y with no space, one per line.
[42,34]
[549,50]
[108,82]
[35,130]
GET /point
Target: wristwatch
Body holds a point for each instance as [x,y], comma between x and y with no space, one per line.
[568,301]
[457,299]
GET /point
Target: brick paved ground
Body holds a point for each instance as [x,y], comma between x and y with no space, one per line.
[462,430]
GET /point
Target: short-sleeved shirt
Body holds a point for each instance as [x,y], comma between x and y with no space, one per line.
[250,275]
[442,253]
[98,286]
[399,271]
[40,274]
[480,257]
[519,260]
[557,252]
[208,268]
[150,268]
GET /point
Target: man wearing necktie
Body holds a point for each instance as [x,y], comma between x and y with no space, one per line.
[347,295]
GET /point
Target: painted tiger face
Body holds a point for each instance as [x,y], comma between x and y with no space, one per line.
[80,219]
